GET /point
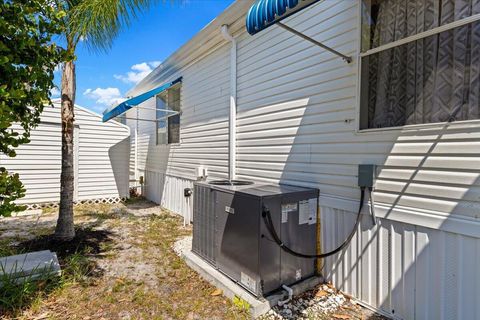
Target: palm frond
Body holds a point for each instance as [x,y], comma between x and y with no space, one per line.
[98,22]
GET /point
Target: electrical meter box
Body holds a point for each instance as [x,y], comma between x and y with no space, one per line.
[229,232]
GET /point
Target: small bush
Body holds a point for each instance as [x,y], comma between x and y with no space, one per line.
[134,193]
[77,267]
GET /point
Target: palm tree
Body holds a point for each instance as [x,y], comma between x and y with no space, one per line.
[95,23]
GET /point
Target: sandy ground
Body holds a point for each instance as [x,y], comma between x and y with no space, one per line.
[133,271]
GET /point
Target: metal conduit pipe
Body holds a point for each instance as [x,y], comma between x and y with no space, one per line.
[232,133]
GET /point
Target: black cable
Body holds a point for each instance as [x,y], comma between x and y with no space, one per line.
[372,206]
[267,219]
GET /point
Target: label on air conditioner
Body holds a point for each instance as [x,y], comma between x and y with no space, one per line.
[248,282]
[298,274]
[313,207]
[303,212]
[307,211]
[286,209]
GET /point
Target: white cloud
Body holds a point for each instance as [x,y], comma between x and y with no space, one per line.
[54,92]
[105,96]
[139,71]
[58,67]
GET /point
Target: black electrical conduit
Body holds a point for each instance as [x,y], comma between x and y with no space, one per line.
[267,218]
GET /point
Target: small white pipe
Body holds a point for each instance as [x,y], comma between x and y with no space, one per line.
[232,147]
[136,150]
[290,295]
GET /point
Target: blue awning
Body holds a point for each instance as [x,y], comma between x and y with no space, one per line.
[264,13]
[135,101]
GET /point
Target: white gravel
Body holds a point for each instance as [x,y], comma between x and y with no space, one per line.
[309,305]
[182,245]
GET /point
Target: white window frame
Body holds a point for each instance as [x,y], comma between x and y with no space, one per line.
[418,36]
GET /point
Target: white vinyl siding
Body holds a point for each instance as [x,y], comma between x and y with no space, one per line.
[297,123]
[203,122]
[297,110]
[295,100]
[101,158]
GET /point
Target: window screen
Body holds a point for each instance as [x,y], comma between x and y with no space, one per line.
[168,123]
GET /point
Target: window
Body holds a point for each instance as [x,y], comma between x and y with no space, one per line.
[122,118]
[420,62]
[168,123]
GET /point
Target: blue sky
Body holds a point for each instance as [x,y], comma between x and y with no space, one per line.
[103,78]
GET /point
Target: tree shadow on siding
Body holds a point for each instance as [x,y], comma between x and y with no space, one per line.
[155,157]
[408,265]
[120,165]
[369,269]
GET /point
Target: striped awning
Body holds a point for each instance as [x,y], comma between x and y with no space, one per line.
[135,101]
[264,13]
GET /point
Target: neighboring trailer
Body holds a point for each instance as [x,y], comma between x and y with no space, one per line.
[297,122]
[101,158]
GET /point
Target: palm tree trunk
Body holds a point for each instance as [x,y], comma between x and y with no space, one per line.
[65,227]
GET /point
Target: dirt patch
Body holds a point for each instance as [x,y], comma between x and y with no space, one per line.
[132,270]
[122,265]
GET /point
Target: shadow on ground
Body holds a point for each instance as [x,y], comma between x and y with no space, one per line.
[87,241]
[78,259]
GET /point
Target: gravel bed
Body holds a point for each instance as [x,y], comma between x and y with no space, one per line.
[322,302]
[314,304]
[182,245]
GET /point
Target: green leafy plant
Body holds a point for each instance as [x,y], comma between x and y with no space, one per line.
[77,267]
[28,58]
[11,188]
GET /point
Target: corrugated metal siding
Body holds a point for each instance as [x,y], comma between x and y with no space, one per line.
[408,271]
[167,191]
[101,157]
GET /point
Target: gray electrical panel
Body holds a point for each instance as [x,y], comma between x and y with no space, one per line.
[229,232]
[366,175]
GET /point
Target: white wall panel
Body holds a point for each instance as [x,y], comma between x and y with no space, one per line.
[204,122]
[296,124]
[405,270]
[101,158]
[167,191]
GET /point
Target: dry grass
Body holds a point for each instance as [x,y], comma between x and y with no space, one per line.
[120,266]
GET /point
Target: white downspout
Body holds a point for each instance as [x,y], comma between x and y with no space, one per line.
[136,152]
[232,130]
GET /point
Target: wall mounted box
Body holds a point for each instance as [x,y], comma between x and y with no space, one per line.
[229,232]
[366,175]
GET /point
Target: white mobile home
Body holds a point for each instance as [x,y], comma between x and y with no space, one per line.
[275,107]
[101,157]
